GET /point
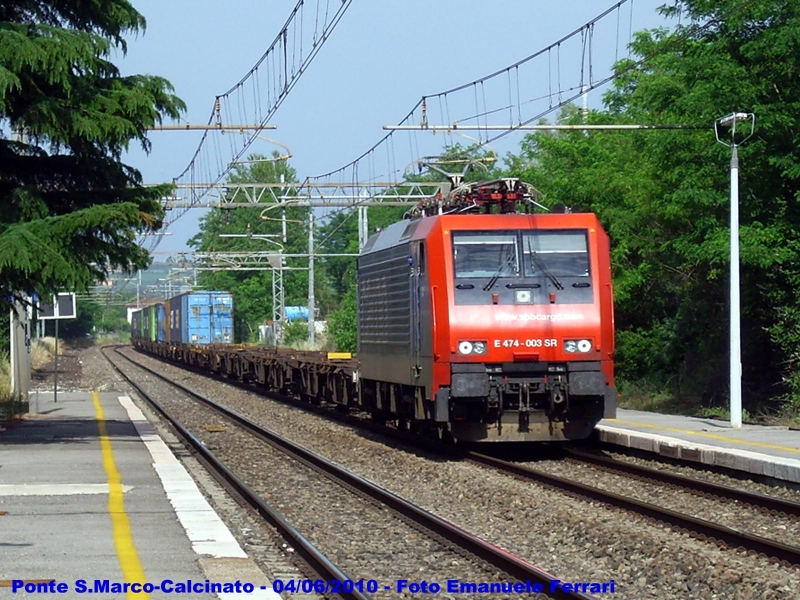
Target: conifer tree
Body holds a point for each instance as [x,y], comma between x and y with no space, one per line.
[70,210]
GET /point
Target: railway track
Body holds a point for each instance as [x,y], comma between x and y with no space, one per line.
[319,564]
[704,529]
[698,486]
[503,565]
[700,528]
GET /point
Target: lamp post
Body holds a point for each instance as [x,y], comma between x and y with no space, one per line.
[730,122]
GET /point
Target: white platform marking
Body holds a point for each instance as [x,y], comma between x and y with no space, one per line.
[56,489]
[208,534]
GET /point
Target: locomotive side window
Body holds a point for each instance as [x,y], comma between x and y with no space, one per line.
[485,254]
[555,253]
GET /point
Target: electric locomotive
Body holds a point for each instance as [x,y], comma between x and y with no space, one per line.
[486,324]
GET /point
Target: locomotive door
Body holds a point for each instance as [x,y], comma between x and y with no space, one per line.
[418,278]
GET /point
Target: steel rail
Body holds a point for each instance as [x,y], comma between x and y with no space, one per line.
[491,554]
[704,487]
[707,529]
[318,562]
[703,528]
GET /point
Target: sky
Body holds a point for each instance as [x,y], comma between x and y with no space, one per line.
[381,58]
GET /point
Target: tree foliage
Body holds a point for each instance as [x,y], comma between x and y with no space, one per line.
[71,209]
[252,290]
[664,196]
[343,323]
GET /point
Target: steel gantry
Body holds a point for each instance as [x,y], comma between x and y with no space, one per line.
[339,194]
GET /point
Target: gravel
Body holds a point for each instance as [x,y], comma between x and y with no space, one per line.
[365,539]
[742,517]
[576,539]
[787,492]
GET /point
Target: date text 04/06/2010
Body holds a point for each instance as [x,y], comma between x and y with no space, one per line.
[451,586]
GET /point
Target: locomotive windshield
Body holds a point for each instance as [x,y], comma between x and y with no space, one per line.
[486,254]
[555,253]
[482,254]
[525,266]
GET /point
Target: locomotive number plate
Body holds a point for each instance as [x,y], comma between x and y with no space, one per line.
[526,343]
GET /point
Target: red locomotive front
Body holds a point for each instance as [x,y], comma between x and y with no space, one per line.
[524,342]
[489,327]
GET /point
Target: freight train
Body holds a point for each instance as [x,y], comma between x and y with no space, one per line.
[194,318]
[476,323]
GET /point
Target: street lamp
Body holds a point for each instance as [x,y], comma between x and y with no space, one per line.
[730,122]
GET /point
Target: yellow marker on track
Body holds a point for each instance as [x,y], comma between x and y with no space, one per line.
[132,570]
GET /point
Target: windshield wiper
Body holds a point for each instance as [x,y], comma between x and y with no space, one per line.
[508,262]
[541,266]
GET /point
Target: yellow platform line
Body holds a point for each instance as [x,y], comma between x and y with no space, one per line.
[132,570]
[708,435]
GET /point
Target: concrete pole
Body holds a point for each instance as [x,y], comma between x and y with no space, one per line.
[363,227]
[735,315]
[55,365]
[311,299]
[275,316]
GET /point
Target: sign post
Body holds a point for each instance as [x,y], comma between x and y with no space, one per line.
[61,307]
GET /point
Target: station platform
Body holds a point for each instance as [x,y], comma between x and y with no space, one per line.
[90,493]
[760,450]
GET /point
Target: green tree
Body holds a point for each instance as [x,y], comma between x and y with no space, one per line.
[342,323]
[252,290]
[663,196]
[71,208]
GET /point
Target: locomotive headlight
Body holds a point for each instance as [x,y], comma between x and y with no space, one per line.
[466,347]
[580,346]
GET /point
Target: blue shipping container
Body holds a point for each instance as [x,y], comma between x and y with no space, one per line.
[206,318]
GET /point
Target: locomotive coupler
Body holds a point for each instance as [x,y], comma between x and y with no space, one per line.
[559,397]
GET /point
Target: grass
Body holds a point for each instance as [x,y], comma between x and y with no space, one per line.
[303,345]
[5,381]
[652,398]
[43,350]
[791,414]
[120,337]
